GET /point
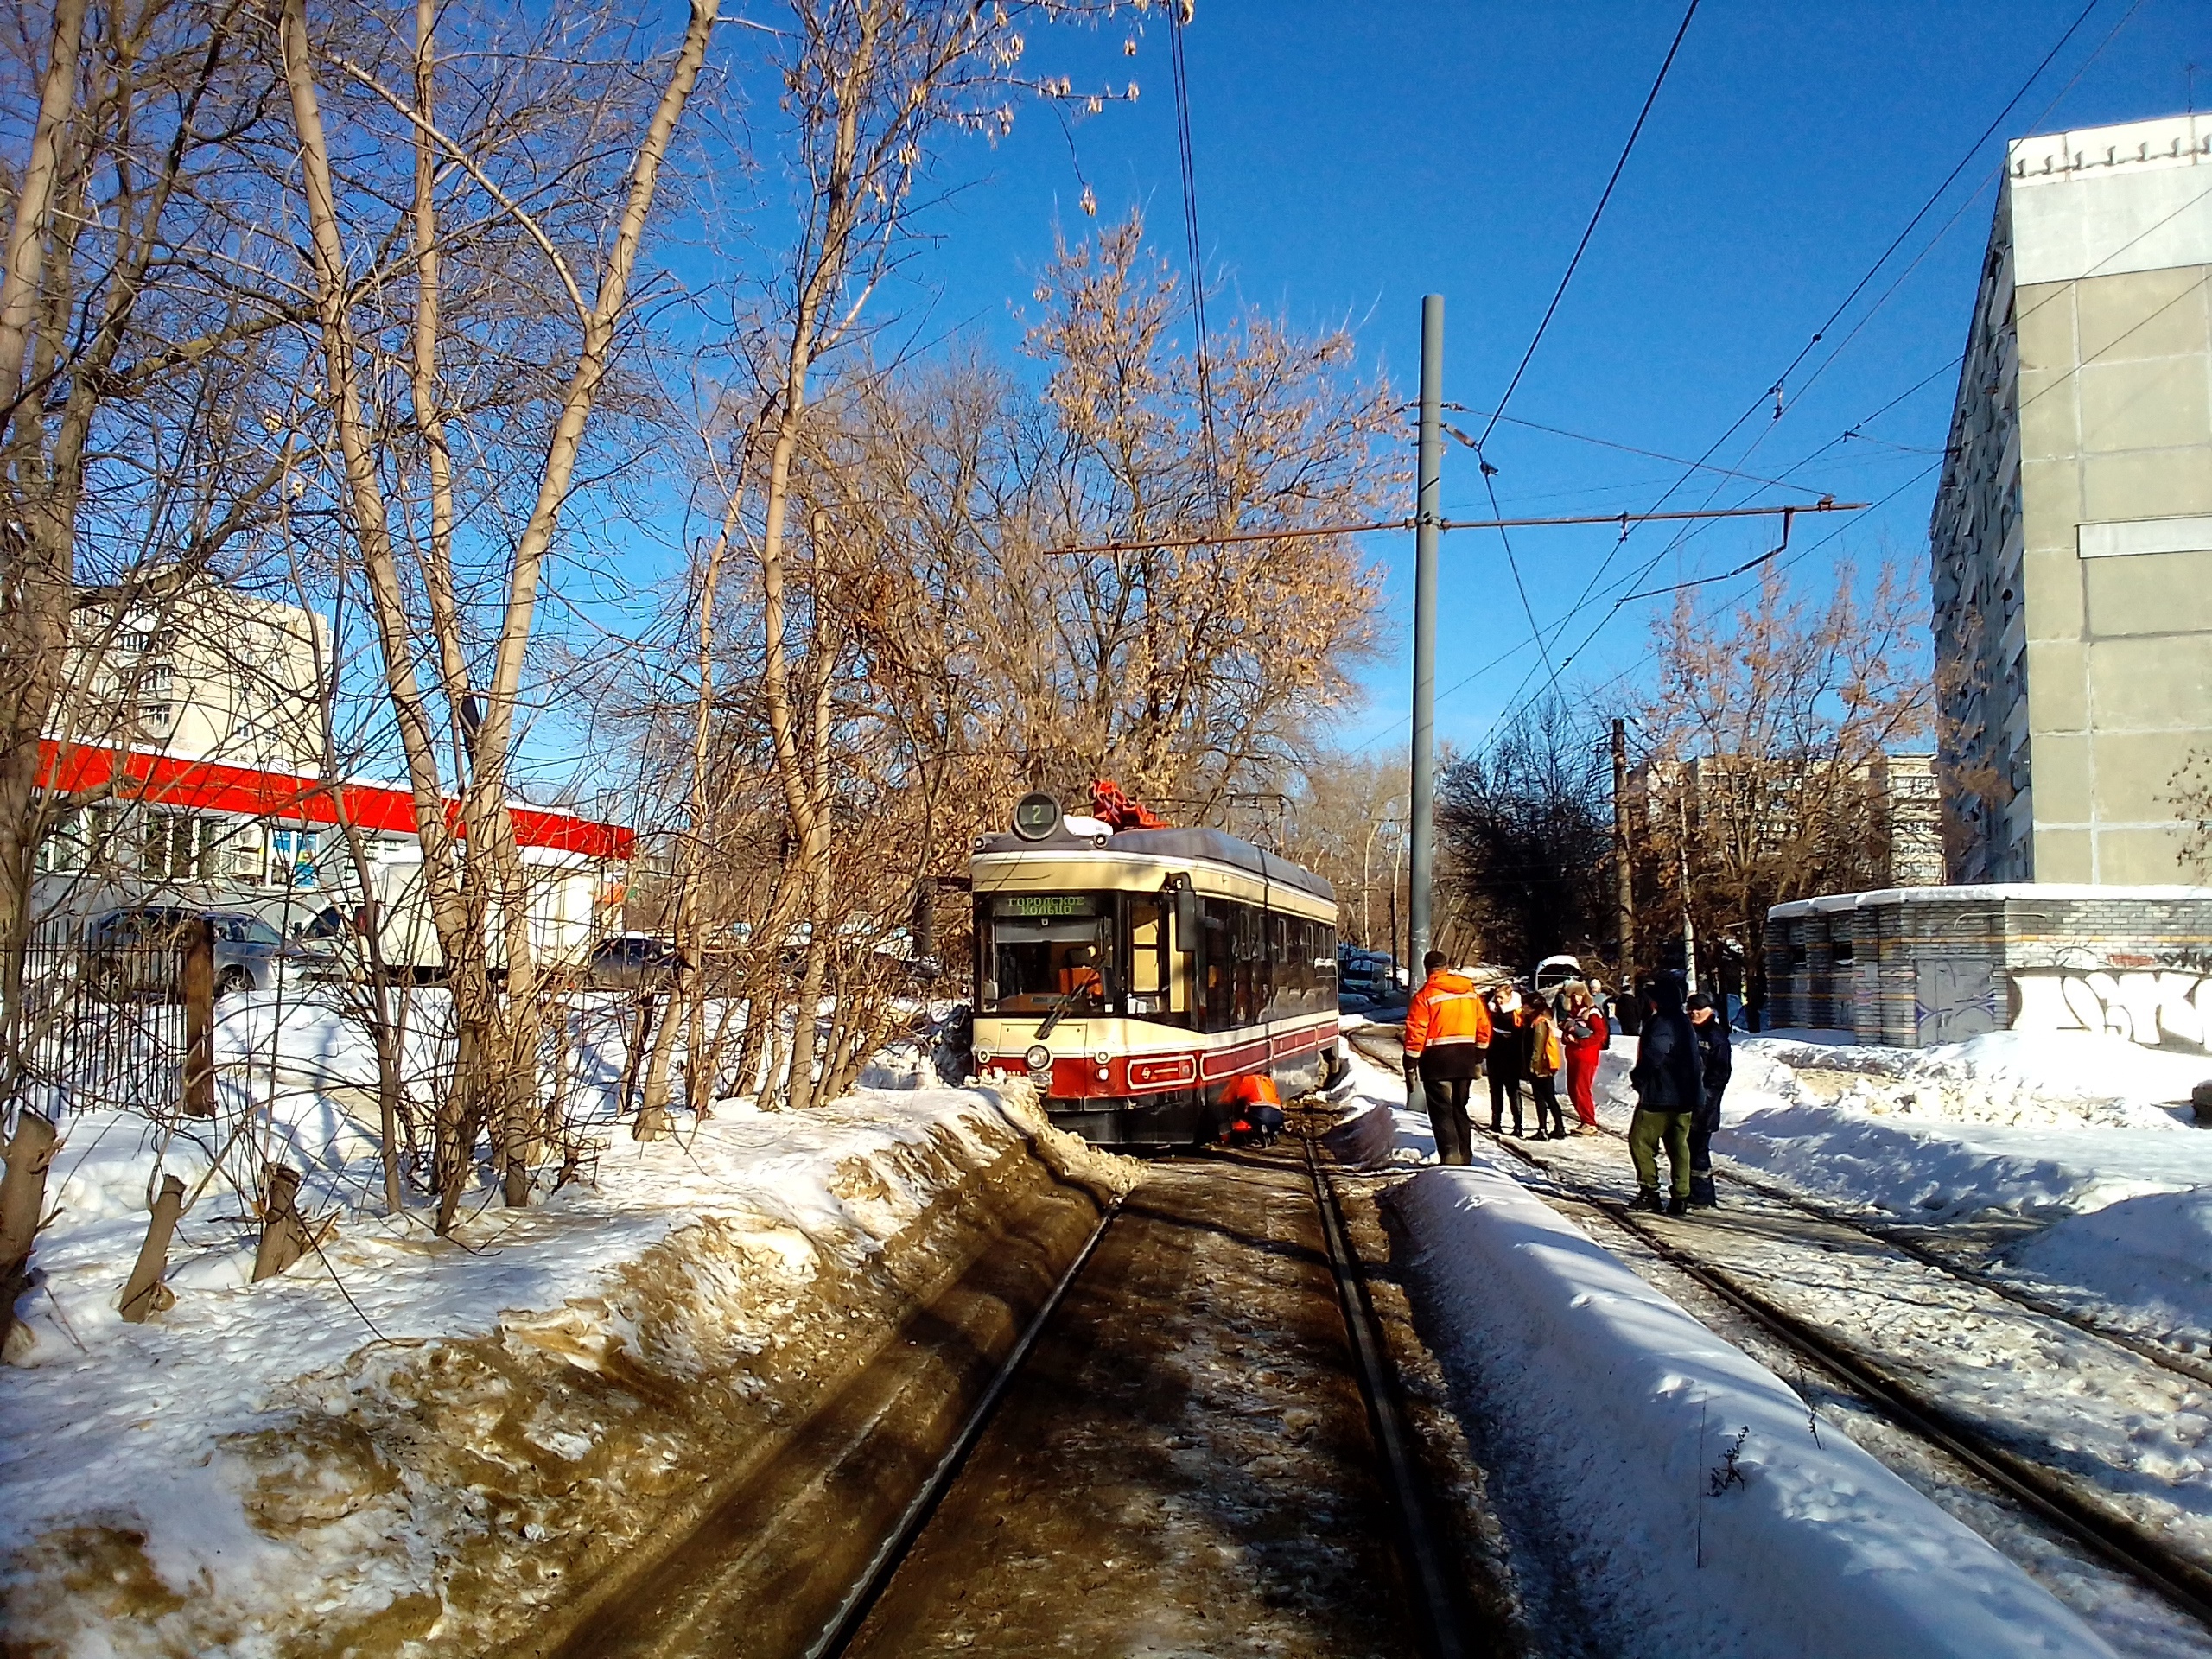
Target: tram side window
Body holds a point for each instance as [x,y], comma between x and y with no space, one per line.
[1149,994]
[1217,991]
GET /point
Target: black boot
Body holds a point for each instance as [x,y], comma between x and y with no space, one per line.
[1647,1199]
[1679,1205]
[1702,1196]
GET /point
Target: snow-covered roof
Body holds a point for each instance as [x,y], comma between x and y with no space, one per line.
[1993,893]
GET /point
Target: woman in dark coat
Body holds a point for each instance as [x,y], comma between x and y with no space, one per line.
[1668,1078]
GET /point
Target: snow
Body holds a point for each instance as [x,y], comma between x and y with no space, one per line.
[1689,1495]
[2072,1142]
[109,1424]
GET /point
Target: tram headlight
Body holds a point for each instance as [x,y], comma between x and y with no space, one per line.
[1102,1057]
[1039,1058]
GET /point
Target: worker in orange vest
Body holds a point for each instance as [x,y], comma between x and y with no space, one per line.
[1255,1108]
[1447,1029]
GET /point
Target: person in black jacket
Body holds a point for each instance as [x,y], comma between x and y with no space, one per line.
[1716,1063]
[1669,1084]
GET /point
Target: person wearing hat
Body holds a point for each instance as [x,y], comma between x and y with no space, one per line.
[1715,1062]
[1669,1080]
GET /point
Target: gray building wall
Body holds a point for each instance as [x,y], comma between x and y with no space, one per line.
[2071,542]
[1911,967]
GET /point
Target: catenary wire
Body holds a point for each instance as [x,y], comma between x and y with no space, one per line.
[1591,229]
[1203,345]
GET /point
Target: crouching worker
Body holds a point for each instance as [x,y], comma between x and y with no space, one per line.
[1254,1106]
[1447,1031]
[1669,1084]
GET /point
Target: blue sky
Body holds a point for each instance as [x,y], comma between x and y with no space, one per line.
[1350,159]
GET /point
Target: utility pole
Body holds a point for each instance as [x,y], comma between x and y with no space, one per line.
[1624,885]
[1682,862]
[1427,518]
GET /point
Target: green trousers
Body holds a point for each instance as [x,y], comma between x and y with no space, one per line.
[1645,1131]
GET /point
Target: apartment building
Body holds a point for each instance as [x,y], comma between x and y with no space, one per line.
[2071,538]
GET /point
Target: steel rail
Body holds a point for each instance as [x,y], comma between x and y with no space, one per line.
[2143,1348]
[853,1612]
[1438,1609]
[2123,1543]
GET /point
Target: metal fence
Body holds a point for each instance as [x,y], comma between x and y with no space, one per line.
[104,1027]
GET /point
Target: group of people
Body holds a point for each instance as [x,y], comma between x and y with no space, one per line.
[1456,1033]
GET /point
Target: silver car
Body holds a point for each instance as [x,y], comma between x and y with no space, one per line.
[137,954]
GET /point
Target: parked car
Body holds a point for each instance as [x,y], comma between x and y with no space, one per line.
[631,962]
[1555,971]
[137,954]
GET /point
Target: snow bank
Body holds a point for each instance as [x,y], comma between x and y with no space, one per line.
[1692,1504]
[2151,1257]
[407,1437]
[2017,1078]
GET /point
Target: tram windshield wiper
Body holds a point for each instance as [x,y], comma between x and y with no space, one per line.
[1105,988]
[1059,1009]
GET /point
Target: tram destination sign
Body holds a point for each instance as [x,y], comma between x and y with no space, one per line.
[1046,904]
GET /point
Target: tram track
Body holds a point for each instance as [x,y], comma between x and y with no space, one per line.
[2100,1528]
[1898,1239]
[928,1563]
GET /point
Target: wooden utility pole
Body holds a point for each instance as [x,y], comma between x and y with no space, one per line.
[1624,885]
[196,984]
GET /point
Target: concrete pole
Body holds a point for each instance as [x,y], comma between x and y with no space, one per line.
[1689,927]
[1427,515]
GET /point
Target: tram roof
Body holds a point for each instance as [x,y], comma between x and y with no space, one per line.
[1209,846]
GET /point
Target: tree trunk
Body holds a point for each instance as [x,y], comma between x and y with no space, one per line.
[143,1294]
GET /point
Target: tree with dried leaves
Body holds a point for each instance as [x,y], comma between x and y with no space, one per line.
[1764,740]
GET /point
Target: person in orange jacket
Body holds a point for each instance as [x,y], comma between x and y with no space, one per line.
[1447,1028]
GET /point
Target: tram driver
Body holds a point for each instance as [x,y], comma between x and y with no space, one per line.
[1079,976]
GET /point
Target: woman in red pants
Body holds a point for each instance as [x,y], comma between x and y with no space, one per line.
[1582,1031]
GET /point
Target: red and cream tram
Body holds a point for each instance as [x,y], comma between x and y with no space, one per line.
[1133,974]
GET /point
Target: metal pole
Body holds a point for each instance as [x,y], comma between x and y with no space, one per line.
[1427,516]
[1624,883]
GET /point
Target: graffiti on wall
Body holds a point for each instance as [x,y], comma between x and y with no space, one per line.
[2159,1005]
[1956,1000]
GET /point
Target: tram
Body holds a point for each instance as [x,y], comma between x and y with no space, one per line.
[1133,973]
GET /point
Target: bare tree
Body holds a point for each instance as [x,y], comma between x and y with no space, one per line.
[135,308]
[1764,737]
[521,179]
[1526,824]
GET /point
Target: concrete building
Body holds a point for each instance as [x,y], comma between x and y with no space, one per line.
[184,765]
[1916,966]
[2071,540]
[1888,820]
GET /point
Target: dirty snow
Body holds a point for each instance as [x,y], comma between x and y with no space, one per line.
[106,1423]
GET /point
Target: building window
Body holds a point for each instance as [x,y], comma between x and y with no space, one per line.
[291,858]
[177,846]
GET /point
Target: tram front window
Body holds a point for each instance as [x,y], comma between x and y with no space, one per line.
[1046,949]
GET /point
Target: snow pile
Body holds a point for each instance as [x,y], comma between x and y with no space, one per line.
[2150,1256]
[1908,1140]
[2013,1079]
[373,1446]
[1691,1503]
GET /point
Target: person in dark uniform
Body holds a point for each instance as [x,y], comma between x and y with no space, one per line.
[1716,1062]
